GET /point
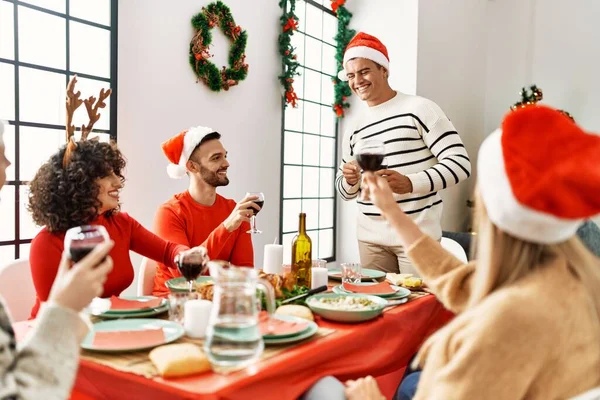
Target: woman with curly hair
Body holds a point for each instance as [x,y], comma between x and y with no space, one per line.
[83,189]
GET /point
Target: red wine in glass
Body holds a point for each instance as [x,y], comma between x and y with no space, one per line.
[79,252]
[81,240]
[260,204]
[369,161]
[191,264]
[260,201]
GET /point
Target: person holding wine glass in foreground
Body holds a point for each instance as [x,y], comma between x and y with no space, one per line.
[79,185]
[45,363]
[423,154]
[528,310]
[200,216]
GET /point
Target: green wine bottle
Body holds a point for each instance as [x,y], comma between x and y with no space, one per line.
[302,254]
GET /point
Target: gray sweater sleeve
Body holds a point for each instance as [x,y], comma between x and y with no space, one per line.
[589,233]
[44,364]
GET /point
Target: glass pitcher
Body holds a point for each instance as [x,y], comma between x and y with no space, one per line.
[233,338]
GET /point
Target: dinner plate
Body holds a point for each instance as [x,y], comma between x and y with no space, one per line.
[312,329]
[346,315]
[181,284]
[401,292]
[288,318]
[162,304]
[172,331]
[145,313]
[336,274]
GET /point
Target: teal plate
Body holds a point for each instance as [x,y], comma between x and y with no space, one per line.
[340,315]
[181,284]
[312,329]
[146,313]
[400,293]
[289,318]
[172,330]
[163,303]
[336,274]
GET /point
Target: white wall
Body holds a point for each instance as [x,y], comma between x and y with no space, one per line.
[394,22]
[158,97]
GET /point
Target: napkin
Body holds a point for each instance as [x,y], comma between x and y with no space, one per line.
[279,327]
[378,288]
[119,304]
[128,339]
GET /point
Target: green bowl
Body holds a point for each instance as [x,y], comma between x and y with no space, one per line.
[346,315]
[180,284]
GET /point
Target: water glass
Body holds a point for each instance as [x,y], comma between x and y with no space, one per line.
[177,302]
[351,273]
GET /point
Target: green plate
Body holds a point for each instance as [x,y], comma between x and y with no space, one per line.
[146,313]
[181,284]
[336,274]
[346,315]
[163,303]
[289,318]
[312,329]
[173,331]
[400,291]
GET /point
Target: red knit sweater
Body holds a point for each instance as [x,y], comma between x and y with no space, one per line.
[183,220]
[126,232]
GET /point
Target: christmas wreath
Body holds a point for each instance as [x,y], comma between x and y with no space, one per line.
[218,14]
[289,23]
[341,89]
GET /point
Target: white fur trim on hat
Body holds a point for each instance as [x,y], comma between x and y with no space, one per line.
[364,52]
[192,138]
[503,207]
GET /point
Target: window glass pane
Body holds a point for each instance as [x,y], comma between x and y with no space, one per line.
[326,89]
[312,53]
[28,229]
[42,38]
[42,96]
[311,118]
[7,85]
[314,22]
[301,14]
[293,117]
[7,213]
[327,152]
[329,63]
[326,183]
[326,243]
[292,181]
[299,83]
[95,11]
[330,26]
[327,121]
[314,237]
[312,85]
[9,151]
[310,182]
[54,5]
[286,240]
[311,150]
[91,87]
[326,213]
[7,31]
[311,208]
[90,50]
[36,147]
[291,210]
[298,44]
[7,254]
[292,153]
[24,250]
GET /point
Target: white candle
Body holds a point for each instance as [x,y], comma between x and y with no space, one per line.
[196,315]
[273,259]
[318,277]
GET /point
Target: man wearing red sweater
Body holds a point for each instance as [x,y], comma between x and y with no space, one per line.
[199,216]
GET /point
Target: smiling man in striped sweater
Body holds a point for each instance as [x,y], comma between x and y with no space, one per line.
[423,152]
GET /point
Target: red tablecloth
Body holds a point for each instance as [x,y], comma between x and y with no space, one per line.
[375,348]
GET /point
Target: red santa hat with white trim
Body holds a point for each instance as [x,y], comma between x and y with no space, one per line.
[366,46]
[179,148]
[539,175]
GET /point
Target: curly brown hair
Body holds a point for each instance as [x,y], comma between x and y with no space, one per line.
[62,198]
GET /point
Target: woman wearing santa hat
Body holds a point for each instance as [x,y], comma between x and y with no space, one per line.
[528,310]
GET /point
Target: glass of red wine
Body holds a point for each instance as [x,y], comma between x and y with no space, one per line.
[191,263]
[79,242]
[370,155]
[259,202]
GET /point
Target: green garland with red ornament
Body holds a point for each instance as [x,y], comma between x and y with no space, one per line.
[217,14]
[289,24]
[341,89]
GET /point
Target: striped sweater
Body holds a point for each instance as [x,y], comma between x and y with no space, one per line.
[421,143]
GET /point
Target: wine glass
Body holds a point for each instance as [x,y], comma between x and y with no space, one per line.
[370,155]
[79,242]
[259,202]
[191,263]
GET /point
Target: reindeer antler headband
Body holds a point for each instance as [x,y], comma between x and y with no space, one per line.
[92,106]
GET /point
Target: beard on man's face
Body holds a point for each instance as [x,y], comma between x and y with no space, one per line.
[213,178]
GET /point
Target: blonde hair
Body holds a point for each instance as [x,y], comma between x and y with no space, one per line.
[503,259]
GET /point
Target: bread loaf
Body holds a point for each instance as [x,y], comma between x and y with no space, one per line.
[296,311]
[181,359]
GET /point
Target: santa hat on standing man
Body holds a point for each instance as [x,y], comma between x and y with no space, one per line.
[180,147]
[366,46]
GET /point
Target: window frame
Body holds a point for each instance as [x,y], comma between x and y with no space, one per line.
[17,183]
[333,257]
